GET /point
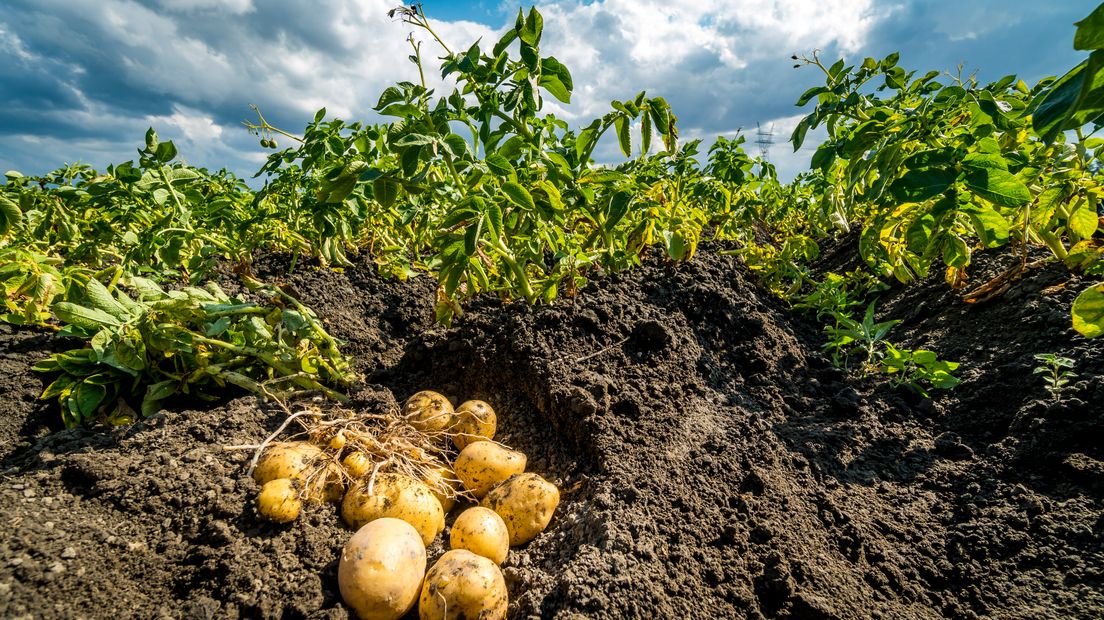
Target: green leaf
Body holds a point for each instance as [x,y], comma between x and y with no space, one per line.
[531,29]
[798,135]
[922,184]
[155,393]
[59,387]
[619,206]
[991,227]
[386,191]
[166,152]
[1090,31]
[1083,221]
[1073,100]
[88,397]
[1047,204]
[585,141]
[518,195]
[10,215]
[624,140]
[984,161]
[809,94]
[390,95]
[319,115]
[660,112]
[998,187]
[955,252]
[80,316]
[500,165]
[471,237]
[556,79]
[102,299]
[1088,311]
[457,145]
[494,220]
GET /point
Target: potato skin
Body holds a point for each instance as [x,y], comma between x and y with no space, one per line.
[381,569]
[474,421]
[526,503]
[463,585]
[300,460]
[279,500]
[357,464]
[481,531]
[428,412]
[398,496]
[484,464]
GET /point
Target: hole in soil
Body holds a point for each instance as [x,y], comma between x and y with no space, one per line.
[543,423]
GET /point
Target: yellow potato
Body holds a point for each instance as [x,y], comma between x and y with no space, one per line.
[442,481]
[279,500]
[483,532]
[484,464]
[526,503]
[381,569]
[474,421]
[428,412]
[463,585]
[398,496]
[357,464]
[305,462]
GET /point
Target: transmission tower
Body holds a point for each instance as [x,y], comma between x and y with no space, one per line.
[765,139]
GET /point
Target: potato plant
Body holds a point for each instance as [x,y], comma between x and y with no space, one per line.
[144,349]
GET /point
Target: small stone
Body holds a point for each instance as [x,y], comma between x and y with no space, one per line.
[29,493]
[57,567]
[69,553]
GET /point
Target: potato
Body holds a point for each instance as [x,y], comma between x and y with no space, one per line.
[428,412]
[526,503]
[439,479]
[381,569]
[474,421]
[279,500]
[398,496]
[484,464]
[463,585]
[357,464]
[483,532]
[304,462]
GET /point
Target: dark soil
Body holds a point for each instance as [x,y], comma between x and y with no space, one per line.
[713,464]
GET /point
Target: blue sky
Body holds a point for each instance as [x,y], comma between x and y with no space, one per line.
[83,79]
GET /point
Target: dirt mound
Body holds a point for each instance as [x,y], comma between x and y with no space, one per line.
[712,464]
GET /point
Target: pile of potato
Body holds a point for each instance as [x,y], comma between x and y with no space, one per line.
[382,573]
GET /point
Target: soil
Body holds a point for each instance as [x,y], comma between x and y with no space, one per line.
[713,463]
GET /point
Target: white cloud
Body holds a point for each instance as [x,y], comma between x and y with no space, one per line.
[192,67]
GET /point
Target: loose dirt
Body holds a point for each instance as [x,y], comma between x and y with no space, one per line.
[713,463]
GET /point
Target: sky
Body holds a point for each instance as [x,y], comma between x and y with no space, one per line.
[82,80]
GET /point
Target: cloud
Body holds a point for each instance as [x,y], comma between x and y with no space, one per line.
[84,78]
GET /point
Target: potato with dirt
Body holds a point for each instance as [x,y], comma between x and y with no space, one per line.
[357,464]
[279,500]
[428,412]
[483,532]
[305,462]
[463,585]
[484,464]
[526,503]
[398,496]
[474,421]
[381,569]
